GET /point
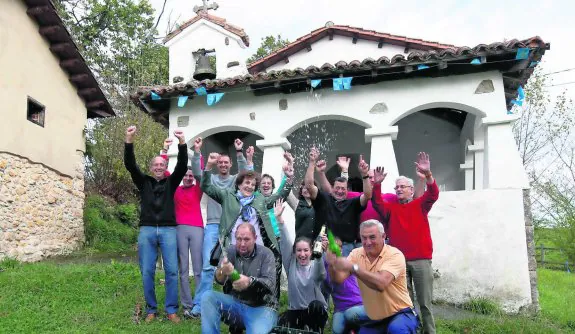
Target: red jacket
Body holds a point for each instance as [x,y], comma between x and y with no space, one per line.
[408,225]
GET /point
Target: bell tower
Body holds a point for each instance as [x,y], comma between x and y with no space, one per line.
[206,47]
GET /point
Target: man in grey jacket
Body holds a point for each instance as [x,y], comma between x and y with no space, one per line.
[222,180]
[247,302]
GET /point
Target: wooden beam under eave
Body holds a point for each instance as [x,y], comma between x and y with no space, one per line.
[35,11]
[354,39]
[95,104]
[70,63]
[79,78]
[99,112]
[62,47]
[308,47]
[330,34]
[87,92]
[406,50]
[380,44]
[50,30]
[286,60]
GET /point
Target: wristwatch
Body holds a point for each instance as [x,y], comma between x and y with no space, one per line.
[355,268]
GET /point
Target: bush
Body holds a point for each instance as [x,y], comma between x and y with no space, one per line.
[482,305]
[109,227]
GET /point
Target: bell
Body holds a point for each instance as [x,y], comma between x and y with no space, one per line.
[203,69]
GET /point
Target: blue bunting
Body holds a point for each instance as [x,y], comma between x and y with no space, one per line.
[521,93]
[522,53]
[182,100]
[347,83]
[337,84]
[214,98]
[201,91]
[155,96]
[517,102]
[422,67]
[476,61]
[315,83]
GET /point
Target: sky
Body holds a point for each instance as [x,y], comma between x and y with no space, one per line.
[458,22]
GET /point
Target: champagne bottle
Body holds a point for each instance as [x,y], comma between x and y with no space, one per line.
[333,246]
[317,247]
[235,275]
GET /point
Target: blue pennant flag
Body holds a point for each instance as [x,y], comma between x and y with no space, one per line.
[509,112]
[337,84]
[182,100]
[155,96]
[315,83]
[422,67]
[522,53]
[346,83]
[214,98]
[521,93]
[517,102]
[476,61]
[533,63]
[201,91]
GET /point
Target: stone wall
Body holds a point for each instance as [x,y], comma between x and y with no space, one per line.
[41,210]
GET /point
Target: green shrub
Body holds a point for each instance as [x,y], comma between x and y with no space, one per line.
[107,227]
[8,263]
[482,305]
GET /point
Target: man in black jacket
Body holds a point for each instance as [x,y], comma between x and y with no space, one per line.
[157,222]
[249,302]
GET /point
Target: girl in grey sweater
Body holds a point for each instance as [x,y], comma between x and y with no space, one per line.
[307,308]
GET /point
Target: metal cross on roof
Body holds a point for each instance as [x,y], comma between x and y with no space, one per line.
[205,7]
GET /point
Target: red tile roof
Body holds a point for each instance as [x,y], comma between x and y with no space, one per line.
[314,36]
[214,19]
[52,28]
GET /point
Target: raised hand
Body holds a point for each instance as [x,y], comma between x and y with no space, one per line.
[180,135]
[321,166]
[289,158]
[288,171]
[363,166]
[212,160]
[227,267]
[279,208]
[167,143]
[343,163]
[313,154]
[198,144]
[130,133]
[419,174]
[379,174]
[250,154]
[423,164]
[238,144]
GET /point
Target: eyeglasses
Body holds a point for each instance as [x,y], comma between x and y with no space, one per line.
[402,187]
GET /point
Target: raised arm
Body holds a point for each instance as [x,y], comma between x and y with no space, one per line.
[284,191]
[182,164]
[320,167]
[364,171]
[214,192]
[286,242]
[313,155]
[431,195]
[130,158]
[195,158]
[376,199]
[241,159]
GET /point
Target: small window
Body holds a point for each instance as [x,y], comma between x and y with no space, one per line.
[36,112]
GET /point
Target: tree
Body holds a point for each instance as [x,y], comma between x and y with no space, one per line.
[105,171]
[269,45]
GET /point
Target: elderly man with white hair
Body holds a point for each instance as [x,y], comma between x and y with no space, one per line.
[408,230]
[381,274]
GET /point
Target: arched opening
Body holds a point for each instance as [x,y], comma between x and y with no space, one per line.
[223,142]
[443,134]
[333,138]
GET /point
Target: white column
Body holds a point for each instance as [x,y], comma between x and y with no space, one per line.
[478,171]
[467,168]
[383,154]
[273,161]
[503,162]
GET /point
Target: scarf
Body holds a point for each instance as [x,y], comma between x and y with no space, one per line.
[246,211]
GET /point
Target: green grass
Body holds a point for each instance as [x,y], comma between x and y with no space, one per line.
[555,258]
[101,298]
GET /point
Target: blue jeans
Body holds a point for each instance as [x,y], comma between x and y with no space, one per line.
[217,307]
[211,232]
[403,322]
[149,239]
[354,316]
[347,247]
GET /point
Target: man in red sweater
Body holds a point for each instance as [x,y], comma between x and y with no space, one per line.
[409,232]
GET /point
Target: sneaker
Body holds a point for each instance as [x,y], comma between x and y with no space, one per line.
[188,314]
[196,311]
[150,317]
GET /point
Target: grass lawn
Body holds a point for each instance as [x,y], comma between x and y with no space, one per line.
[101,298]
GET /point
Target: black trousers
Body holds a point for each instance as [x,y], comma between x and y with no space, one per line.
[314,317]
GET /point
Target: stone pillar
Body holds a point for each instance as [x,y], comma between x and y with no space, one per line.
[383,154]
[503,163]
[273,161]
[532,262]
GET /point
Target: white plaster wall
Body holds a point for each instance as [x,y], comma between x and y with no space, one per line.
[204,34]
[326,51]
[480,248]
